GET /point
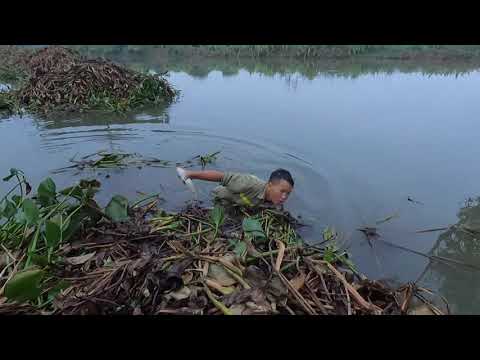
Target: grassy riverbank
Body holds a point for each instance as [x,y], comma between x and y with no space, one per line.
[199,61]
[304,51]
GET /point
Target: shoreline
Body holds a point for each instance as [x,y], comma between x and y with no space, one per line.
[64,254]
[310,52]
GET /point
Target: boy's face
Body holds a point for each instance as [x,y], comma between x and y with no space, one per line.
[278,191]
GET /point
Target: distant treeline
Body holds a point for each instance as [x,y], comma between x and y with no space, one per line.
[160,59]
[303,51]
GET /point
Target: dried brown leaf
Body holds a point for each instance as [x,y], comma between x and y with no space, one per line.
[220,275]
[79,260]
[298,281]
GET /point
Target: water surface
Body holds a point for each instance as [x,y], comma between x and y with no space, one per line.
[359,142]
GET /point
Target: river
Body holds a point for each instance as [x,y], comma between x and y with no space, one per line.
[359,143]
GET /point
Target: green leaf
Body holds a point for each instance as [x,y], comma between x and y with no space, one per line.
[53,233]
[90,192]
[330,255]
[39,260]
[76,191]
[348,263]
[24,285]
[173,225]
[240,248]
[10,209]
[217,216]
[70,227]
[46,192]
[471,218]
[61,285]
[47,186]
[253,227]
[13,172]
[74,225]
[17,199]
[31,211]
[328,234]
[117,208]
[20,217]
[57,219]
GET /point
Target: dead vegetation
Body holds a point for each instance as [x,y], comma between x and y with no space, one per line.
[60,79]
[134,258]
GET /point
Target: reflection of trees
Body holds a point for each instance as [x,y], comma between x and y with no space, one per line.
[308,69]
[292,82]
[151,114]
[460,242]
[230,72]
[431,52]
[198,71]
[174,58]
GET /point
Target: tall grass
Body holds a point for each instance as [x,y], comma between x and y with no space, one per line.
[309,68]
[298,51]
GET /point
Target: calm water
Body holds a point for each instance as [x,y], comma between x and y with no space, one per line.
[357,146]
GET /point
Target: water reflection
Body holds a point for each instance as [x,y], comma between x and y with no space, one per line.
[160,60]
[459,284]
[357,148]
[306,69]
[96,127]
[154,114]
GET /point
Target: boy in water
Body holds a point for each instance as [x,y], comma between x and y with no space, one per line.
[245,189]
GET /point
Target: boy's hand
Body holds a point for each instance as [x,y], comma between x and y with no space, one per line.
[182,174]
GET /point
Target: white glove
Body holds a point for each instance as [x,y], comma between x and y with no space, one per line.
[182,174]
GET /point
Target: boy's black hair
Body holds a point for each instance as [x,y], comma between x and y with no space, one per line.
[282,174]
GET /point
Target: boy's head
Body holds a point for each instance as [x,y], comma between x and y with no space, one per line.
[279,186]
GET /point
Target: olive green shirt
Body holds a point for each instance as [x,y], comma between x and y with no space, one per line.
[242,189]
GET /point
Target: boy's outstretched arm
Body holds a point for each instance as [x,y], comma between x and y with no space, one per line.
[208,175]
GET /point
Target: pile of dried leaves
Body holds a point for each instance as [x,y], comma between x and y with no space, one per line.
[61,79]
[210,262]
[12,58]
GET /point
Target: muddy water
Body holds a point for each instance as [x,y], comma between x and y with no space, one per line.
[358,145]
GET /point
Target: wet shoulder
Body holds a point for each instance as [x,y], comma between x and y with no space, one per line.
[239,181]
